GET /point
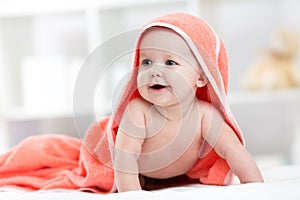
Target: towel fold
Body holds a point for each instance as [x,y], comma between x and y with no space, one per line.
[55,162]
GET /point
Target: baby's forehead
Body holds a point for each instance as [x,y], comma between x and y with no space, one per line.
[162,39]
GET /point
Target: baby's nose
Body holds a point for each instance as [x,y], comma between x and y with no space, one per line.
[156,71]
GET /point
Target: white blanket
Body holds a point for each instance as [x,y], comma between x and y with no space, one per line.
[280,183]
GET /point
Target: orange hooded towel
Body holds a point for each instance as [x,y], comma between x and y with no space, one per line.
[59,162]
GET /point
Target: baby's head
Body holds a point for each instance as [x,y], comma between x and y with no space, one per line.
[196,44]
[168,70]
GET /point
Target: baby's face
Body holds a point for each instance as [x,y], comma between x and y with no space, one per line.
[168,70]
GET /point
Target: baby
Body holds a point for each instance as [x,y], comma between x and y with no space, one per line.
[168,130]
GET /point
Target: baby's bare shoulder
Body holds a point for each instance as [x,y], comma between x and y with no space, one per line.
[137,107]
[133,118]
[205,106]
[139,104]
[208,110]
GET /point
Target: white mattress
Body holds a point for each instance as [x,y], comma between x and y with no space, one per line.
[281,182]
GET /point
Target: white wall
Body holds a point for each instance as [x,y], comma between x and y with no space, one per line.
[246,26]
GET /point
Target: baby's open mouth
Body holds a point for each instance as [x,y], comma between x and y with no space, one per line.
[158,86]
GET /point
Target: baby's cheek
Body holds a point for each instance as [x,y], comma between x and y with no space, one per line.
[181,88]
[142,79]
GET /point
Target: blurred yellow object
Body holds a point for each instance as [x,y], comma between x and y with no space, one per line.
[277,68]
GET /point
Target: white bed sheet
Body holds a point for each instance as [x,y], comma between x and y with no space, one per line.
[281,182]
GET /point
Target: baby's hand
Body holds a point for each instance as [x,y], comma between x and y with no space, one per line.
[127,182]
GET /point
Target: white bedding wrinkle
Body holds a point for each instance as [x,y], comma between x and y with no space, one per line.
[282,182]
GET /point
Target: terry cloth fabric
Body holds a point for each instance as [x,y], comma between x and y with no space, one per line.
[61,162]
[51,162]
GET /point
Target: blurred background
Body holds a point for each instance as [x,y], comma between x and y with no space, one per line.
[43,44]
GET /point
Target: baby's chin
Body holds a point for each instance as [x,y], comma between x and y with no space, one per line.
[158,101]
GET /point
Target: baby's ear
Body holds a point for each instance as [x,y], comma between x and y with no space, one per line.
[202,80]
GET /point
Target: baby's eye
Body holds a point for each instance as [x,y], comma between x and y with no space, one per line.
[146,62]
[171,62]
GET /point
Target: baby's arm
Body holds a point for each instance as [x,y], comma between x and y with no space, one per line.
[129,142]
[225,142]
